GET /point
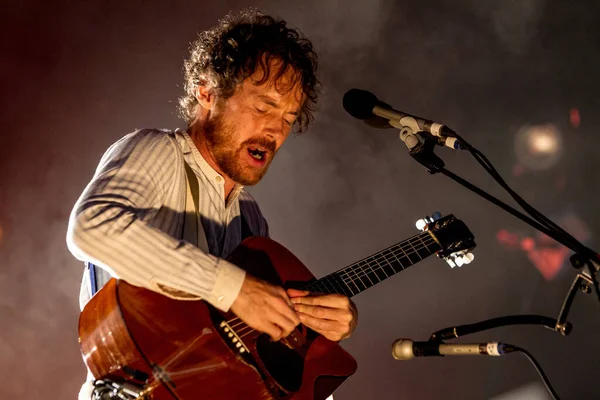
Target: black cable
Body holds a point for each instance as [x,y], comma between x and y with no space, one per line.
[487,165]
[532,222]
[551,226]
[468,329]
[537,367]
[483,160]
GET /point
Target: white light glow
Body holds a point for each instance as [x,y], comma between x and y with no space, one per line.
[538,147]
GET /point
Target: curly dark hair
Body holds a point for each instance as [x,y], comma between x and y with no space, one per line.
[227,54]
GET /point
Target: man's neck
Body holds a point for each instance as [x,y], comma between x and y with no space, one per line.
[202,146]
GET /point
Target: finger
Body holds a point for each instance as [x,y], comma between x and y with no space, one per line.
[297,293]
[334,314]
[327,300]
[286,324]
[283,294]
[269,328]
[334,336]
[286,310]
[274,331]
[319,325]
[284,316]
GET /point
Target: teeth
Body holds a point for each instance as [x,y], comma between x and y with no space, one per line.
[256,153]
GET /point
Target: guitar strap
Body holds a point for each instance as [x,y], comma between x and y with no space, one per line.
[192,225]
[193,232]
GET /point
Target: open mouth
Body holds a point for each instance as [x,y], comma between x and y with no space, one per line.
[257,153]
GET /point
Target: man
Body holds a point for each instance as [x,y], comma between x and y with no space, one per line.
[248,83]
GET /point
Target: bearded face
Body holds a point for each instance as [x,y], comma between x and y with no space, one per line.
[238,136]
[244,162]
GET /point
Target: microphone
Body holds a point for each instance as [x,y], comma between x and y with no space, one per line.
[406,349]
[366,106]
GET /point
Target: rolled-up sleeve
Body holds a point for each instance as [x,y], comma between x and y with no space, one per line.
[108,225]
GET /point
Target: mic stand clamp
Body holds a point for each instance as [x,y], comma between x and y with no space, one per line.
[585,280]
[421,145]
[424,153]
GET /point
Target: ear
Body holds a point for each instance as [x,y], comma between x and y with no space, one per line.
[206,96]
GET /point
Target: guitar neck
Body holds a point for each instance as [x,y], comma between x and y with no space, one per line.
[369,271]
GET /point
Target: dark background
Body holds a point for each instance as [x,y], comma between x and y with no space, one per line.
[76,76]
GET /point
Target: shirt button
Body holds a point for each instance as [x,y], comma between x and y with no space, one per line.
[218,179]
[220,299]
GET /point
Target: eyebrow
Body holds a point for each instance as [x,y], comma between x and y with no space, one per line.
[270,101]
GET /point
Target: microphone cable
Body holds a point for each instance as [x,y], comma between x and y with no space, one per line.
[538,368]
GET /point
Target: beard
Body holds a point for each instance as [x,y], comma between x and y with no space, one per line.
[229,158]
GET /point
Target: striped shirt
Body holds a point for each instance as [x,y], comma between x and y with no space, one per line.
[129,220]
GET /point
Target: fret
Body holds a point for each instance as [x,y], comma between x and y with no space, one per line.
[379,271]
[423,250]
[386,264]
[349,281]
[344,288]
[405,259]
[398,261]
[368,271]
[413,255]
[357,281]
[326,282]
[360,272]
[311,287]
[321,287]
[432,243]
[371,270]
[393,265]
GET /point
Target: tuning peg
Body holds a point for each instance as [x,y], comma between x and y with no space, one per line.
[421,224]
[468,258]
[459,258]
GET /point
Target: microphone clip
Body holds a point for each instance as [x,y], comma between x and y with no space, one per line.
[421,147]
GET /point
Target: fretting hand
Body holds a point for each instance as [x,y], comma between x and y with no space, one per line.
[332,315]
[266,308]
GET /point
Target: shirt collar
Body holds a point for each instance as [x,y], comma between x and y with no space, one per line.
[213,176]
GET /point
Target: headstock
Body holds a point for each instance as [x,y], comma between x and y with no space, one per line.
[452,235]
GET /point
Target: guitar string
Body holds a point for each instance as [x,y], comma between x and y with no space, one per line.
[392,256]
[363,270]
[381,255]
[248,330]
[243,331]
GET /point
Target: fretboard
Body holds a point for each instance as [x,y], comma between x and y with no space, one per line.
[369,271]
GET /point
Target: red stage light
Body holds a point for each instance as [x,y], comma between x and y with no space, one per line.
[574,117]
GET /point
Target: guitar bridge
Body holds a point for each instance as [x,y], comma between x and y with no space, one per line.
[234,338]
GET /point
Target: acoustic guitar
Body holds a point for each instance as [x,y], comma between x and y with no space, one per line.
[139,344]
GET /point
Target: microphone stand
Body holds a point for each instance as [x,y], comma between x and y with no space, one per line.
[584,259]
[462,330]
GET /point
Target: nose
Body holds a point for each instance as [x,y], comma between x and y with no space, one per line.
[277,128]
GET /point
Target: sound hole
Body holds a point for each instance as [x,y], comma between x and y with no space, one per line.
[282,363]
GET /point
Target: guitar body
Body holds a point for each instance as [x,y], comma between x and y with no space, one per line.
[188,350]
